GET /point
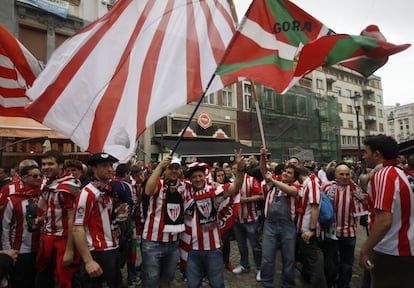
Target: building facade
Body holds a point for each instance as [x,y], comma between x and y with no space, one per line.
[400,122]
[316,120]
[41,29]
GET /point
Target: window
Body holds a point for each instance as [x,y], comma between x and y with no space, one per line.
[343,140]
[349,108]
[347,93]
[268,98]
[348,140]
[247,97]
[380,113]
[379,98]
[227,96]
[338,90]
[350,124]
[340,107]
[319,84]
[341,122]
[381,127]
[210,99]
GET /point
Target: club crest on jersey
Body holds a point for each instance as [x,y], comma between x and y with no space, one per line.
[204,206]
[173,210]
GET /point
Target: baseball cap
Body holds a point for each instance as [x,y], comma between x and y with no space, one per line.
[175,161]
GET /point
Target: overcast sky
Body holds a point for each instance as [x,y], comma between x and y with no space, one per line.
[396,22]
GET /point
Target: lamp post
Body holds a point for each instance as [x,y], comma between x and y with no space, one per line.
[357,107]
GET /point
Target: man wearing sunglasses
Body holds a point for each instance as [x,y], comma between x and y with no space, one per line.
[21,230]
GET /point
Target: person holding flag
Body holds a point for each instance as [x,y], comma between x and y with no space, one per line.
[205,257]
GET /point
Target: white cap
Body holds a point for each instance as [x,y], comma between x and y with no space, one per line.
[175,161]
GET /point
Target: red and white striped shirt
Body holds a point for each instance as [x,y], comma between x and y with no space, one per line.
[15,234]
[346,207]
[391,191]
[93,210]
[202,239]
[57,197]
[248,210]
[308,195]
[154,223]
[274,192]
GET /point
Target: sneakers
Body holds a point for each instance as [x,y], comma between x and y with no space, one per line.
[240,269]
[258,276]
[229,266]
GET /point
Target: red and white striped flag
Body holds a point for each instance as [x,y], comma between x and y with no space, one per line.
[144,59]
[18,70]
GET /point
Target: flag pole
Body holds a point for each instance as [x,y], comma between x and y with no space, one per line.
[254,91]
[258,113]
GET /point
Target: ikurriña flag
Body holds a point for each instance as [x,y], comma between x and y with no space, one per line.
[144,59]
[364,53]
[266,43]
[18,69]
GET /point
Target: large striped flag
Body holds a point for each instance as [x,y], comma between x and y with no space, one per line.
[268,40]
[364,53]
[18,70]
[144,59]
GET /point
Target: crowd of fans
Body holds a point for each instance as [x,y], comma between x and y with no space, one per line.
[72,224]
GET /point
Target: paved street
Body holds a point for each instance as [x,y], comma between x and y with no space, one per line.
[249,279]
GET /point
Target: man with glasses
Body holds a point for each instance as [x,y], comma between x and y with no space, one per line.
[21,231]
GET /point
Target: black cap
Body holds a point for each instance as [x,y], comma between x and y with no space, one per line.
[101,158]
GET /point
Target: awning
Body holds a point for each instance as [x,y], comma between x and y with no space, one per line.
[207,148]
[25,128]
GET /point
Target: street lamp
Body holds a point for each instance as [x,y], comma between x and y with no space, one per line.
[357,107]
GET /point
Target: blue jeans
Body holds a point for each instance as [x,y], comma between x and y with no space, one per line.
[244,231]
[278,235]
[205,263]
[339,258]
[159,261]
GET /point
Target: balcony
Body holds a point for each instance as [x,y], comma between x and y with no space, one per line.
[367,91]
[369,103]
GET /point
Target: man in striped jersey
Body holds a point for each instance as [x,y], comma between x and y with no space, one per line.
[340,240]
[247,223]
[163,224]
[205,258]
[389,249]
[56,257]
[21,231]
[92,226]
[308,229]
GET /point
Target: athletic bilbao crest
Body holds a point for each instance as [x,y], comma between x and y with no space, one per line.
[173,210]
[204,207]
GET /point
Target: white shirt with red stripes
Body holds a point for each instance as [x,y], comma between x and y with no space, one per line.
[274,192]
[309,195]
[391,191]
[93,210]
[248,210]
[154,223]
[57,197]
[15,234]
[346,207]
[202,239]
